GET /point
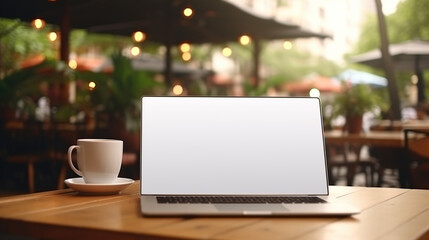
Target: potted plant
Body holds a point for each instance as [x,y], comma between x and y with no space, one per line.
[353,102]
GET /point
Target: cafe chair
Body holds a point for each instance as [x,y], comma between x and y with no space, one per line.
[388,159]
[24,144]
[352,158]
[417,157]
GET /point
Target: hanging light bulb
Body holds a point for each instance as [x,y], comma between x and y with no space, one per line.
[226,51]
[91,85]
[314,92]
[38,23]
[185,47]
[287,45]
[186,56]
[72,64]
[52,36]
[244,40]
[139,36]
[135,51]
[177,89]
[188,12]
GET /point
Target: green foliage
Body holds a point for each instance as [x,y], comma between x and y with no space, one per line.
[117,95]
[20,90]
[410,21]
[286,66]
[242,56]
[369,36]
[203,52]
[292,64]
[83,42]
[262,89]
[26,82]
[18,41]
[355,100]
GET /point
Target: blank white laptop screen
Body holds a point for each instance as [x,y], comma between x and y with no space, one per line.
[232,146]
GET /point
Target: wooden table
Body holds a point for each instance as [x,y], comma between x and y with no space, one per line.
[400,125]
[35,142]
[389,144]
[373,138]
[387,213]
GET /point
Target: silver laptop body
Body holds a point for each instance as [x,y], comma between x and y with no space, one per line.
[227,155]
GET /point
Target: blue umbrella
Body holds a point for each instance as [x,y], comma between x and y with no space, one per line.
[360,77]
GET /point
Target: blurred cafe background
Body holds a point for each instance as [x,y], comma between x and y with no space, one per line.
[77,69]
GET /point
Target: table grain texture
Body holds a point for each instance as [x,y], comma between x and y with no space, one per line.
[387,213]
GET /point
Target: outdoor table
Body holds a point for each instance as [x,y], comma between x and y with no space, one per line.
[392,139]
[32,142]
[387,213]
[387,142]
[388,125]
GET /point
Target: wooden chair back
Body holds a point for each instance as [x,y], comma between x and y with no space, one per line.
[417,157]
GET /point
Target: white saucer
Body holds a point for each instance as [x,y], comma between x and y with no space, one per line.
[79,185]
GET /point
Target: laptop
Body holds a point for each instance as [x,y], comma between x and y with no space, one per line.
[234,156]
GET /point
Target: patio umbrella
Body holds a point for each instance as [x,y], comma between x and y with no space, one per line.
[322,83]
[214,21]
[162,20]
[407,56]
[360,77]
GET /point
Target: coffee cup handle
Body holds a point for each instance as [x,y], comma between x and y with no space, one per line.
[70,160]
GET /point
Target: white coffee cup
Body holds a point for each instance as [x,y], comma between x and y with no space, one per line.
[99,160]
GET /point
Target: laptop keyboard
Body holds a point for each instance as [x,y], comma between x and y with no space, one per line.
[237,199]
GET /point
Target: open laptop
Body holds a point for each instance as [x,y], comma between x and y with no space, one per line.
[234,156]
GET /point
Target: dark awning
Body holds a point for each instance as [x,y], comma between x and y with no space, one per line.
[214,21]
